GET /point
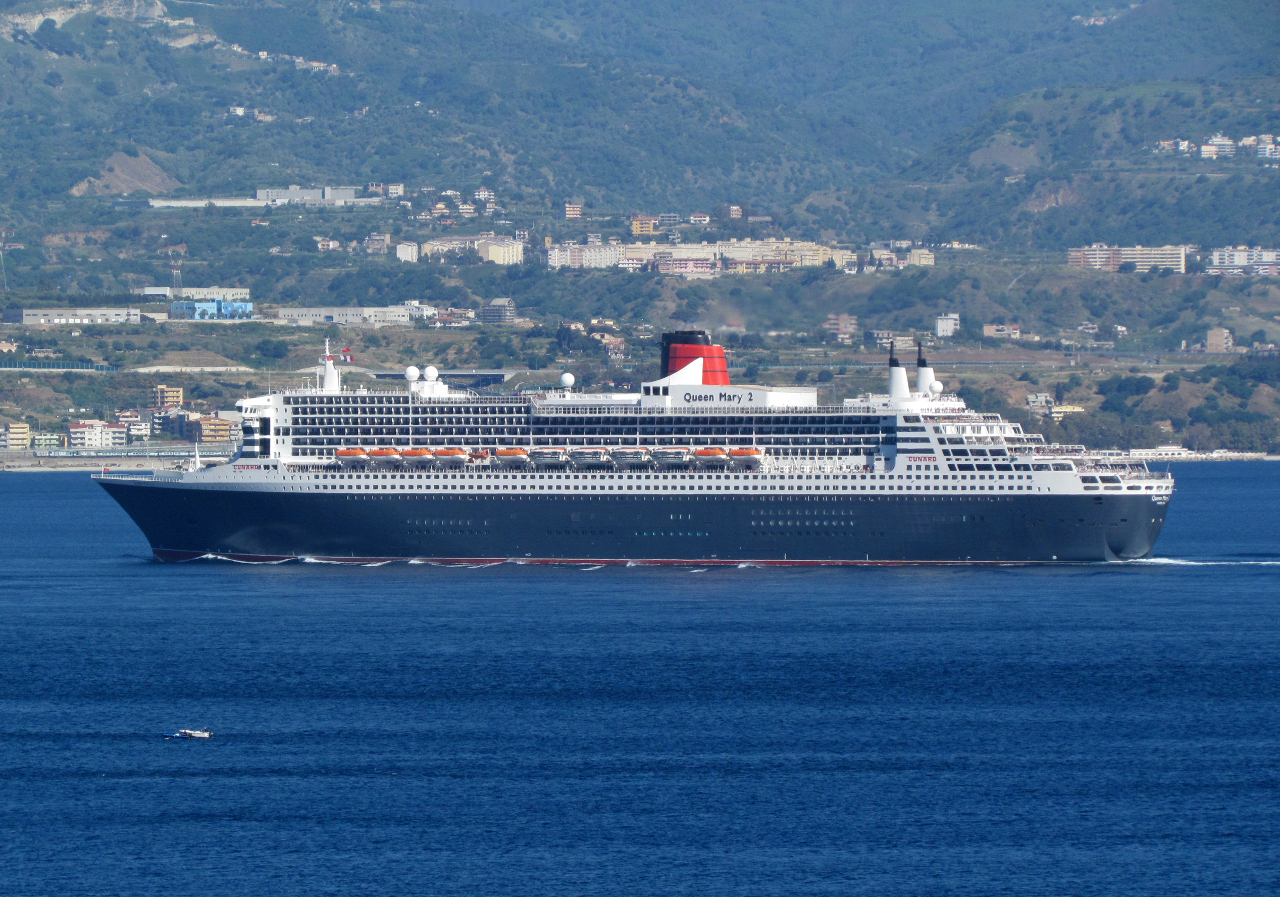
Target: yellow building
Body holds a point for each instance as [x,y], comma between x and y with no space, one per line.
[167,396]
[643,224]
[17,436]
[213,429]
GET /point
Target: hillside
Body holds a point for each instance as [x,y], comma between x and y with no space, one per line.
[854,121]
[875,79]
[409,92]
[1058,168]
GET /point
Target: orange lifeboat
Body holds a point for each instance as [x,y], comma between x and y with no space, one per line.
[385,457]
[418,457]
[512,457]
[351,457]
[711,455]
[748,457]
[452,457]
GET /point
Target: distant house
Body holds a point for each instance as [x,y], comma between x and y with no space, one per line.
[643,224]
[699,218]
[572,210]
[946,325]
[1002,331]
[842,327]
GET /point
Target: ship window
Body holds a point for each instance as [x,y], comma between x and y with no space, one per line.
[1040,467]
[1063,467]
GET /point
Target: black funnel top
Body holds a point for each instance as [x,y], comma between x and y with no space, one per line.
[920,362]
[681,338]
[893,359]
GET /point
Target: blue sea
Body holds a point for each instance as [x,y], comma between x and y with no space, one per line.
[1093,730]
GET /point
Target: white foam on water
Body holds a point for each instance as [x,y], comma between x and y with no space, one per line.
[1181,562]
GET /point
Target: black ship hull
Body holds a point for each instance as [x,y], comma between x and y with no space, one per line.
[250,525]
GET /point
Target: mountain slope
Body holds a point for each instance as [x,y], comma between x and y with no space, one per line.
[425,93]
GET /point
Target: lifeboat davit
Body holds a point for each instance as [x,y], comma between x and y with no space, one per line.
[588,456]
[673,455]
[632,457]
[711,456]
[351,457]
[451,457]
[511,457]
[548,456]
[418,457]
[386,457]
[748,457]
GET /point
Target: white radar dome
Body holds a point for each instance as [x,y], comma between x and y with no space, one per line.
[936,387]
[566,380]
[431,373]
[411,373]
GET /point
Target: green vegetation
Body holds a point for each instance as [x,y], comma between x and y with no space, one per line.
[991,121]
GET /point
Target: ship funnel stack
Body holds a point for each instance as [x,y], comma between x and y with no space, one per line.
[899,386]
[679,349]
[924,373]
[332,379]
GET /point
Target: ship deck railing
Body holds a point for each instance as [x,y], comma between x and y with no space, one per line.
[154,476]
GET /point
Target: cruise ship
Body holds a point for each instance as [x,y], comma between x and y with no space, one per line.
[692,469]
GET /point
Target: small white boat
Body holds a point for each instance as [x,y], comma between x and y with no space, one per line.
[672,455]
[191,733]
[589,456]
[548,456]
[631,456]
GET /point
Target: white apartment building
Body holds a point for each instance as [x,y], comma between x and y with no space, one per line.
[783,253]
[1109,258]
[407,252]
[418,310]
[572,255]
[946,325]
[96,434]
[1239,256]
